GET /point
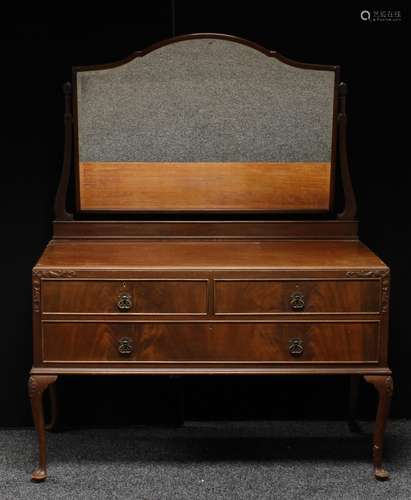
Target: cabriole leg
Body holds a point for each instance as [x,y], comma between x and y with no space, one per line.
[51,426]
[384,386]
[37,385]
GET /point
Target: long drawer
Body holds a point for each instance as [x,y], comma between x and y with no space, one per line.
[151,296]
[297,342]
[312,296]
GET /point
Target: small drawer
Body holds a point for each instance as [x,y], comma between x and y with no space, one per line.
[271,297]
[133,296]
[291,342]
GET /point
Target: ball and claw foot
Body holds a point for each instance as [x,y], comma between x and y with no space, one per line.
[39,475]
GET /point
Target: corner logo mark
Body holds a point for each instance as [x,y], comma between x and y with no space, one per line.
[365,15]
[378,16]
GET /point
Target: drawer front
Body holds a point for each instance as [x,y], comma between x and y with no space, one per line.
[339,342]
[270,297]
[135,297]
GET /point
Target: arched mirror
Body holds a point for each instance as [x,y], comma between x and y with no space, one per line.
[205,124]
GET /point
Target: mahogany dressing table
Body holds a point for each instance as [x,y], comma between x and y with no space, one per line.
[206,238]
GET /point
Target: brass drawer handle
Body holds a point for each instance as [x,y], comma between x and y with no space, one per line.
[125,346]
[296,347]
[124,302]
[297,301]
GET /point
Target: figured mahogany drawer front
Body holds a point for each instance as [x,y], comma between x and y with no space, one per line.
[266,296]
[136,297]
[147,342]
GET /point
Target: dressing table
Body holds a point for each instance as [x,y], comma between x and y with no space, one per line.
[206,236]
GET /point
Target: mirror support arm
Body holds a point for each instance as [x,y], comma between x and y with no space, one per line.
[60,210]
[350,203]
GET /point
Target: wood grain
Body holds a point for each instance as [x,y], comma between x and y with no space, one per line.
[205,186]
[234,229]
[147,296]
[98,341]
[253,254]
[264,297]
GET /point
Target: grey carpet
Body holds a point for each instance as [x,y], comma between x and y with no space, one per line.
[253,460]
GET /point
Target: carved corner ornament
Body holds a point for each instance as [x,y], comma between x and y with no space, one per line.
[389,386]
[32,387]
[38,383]
[47,273]
[384,276]
[383,383]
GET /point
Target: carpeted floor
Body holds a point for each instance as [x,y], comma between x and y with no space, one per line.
[233,460]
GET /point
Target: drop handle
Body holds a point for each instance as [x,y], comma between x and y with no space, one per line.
[297,301]
[125,346]
[124,302]
[296,347]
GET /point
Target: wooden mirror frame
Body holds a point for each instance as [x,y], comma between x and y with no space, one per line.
[339,125]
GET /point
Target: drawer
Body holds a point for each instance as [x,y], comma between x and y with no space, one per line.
[299,342]
[270,296]
[134,297]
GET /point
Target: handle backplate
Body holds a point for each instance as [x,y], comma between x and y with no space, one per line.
[125,346]
[297,301]
[124,302]
[296,347]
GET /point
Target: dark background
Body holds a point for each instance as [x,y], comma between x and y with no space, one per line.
[37,58]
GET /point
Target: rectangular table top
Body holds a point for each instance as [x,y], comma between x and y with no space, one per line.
[208,254]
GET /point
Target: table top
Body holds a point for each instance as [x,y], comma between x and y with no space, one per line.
[208,254]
